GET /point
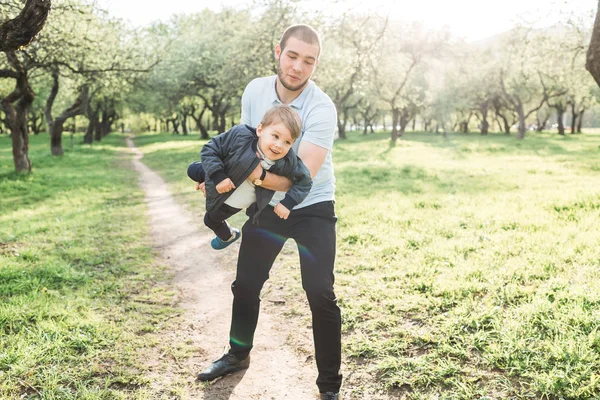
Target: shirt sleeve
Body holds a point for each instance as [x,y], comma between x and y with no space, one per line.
[320,125]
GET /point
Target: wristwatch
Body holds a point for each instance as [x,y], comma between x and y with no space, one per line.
[259,181]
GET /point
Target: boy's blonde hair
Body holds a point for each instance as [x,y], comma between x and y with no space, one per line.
[286,115]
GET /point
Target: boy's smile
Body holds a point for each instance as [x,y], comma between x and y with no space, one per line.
[274,140]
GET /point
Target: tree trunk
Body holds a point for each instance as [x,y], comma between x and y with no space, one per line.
[405,118]
[560,113]
[215,122]
[541,124]
[175,124]
[56,138]
[223,120]
[16,108]
[395,119]
[98,130]
[341,122]
[580,121]
[184,124]
[485,126]
[92,116]
[522,126]
[50,100]
[19,31]
[592,63]
[341,129]
[200,125]
[37,120]
[573,118]
[56,127]
[107,121]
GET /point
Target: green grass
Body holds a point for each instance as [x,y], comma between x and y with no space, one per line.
[75,269]
[468,266]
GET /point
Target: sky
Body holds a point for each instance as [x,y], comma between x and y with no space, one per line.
[469,19]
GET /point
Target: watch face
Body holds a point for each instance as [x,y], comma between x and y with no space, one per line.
[257,182]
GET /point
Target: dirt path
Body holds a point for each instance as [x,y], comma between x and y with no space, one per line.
[203,277]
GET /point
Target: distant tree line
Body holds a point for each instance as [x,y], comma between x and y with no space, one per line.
[188,74]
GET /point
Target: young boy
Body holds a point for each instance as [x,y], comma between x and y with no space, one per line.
[229,158]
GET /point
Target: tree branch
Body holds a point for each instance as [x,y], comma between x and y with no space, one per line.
[20,31]
[7,73]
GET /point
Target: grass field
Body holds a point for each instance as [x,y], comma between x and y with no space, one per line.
[76,273]
[468,266]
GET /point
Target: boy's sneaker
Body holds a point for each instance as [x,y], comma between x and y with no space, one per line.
[219,244]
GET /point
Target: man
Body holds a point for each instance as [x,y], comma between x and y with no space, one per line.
[311,224]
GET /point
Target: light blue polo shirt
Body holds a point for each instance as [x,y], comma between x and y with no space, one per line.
[319,118]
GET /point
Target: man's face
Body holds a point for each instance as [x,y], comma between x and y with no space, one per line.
[296,63]
[275,140]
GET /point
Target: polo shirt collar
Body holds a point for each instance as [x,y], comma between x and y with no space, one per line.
[298,102]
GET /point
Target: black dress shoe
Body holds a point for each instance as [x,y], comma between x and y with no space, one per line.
[228,364]
[330,396]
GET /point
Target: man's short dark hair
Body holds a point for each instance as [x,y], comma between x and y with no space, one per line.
[303,32]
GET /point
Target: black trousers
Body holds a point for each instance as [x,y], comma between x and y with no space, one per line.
[313,229]
[216,220]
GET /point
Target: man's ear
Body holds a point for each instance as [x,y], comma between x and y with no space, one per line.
[277,51]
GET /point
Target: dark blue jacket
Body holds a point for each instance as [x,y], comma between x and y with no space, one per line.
[232,155]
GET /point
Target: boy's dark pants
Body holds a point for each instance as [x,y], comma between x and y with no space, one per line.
[196,172]
[214,219]
[313,229]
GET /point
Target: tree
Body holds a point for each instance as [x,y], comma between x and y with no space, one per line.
[16,106]
[400,82]
[20,31]
[347,62]
[525,84]
[592,63]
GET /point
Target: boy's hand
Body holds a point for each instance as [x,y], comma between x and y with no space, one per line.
[226,185]
[282,211]
[201,186]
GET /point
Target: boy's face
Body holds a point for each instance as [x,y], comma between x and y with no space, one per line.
[296,63]
[275,140]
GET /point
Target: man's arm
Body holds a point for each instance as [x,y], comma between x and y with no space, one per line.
[311,155]
[320,129]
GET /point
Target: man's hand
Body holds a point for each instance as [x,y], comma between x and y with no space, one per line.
[256,173]
[226,185]
[201,186]
[282,211]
